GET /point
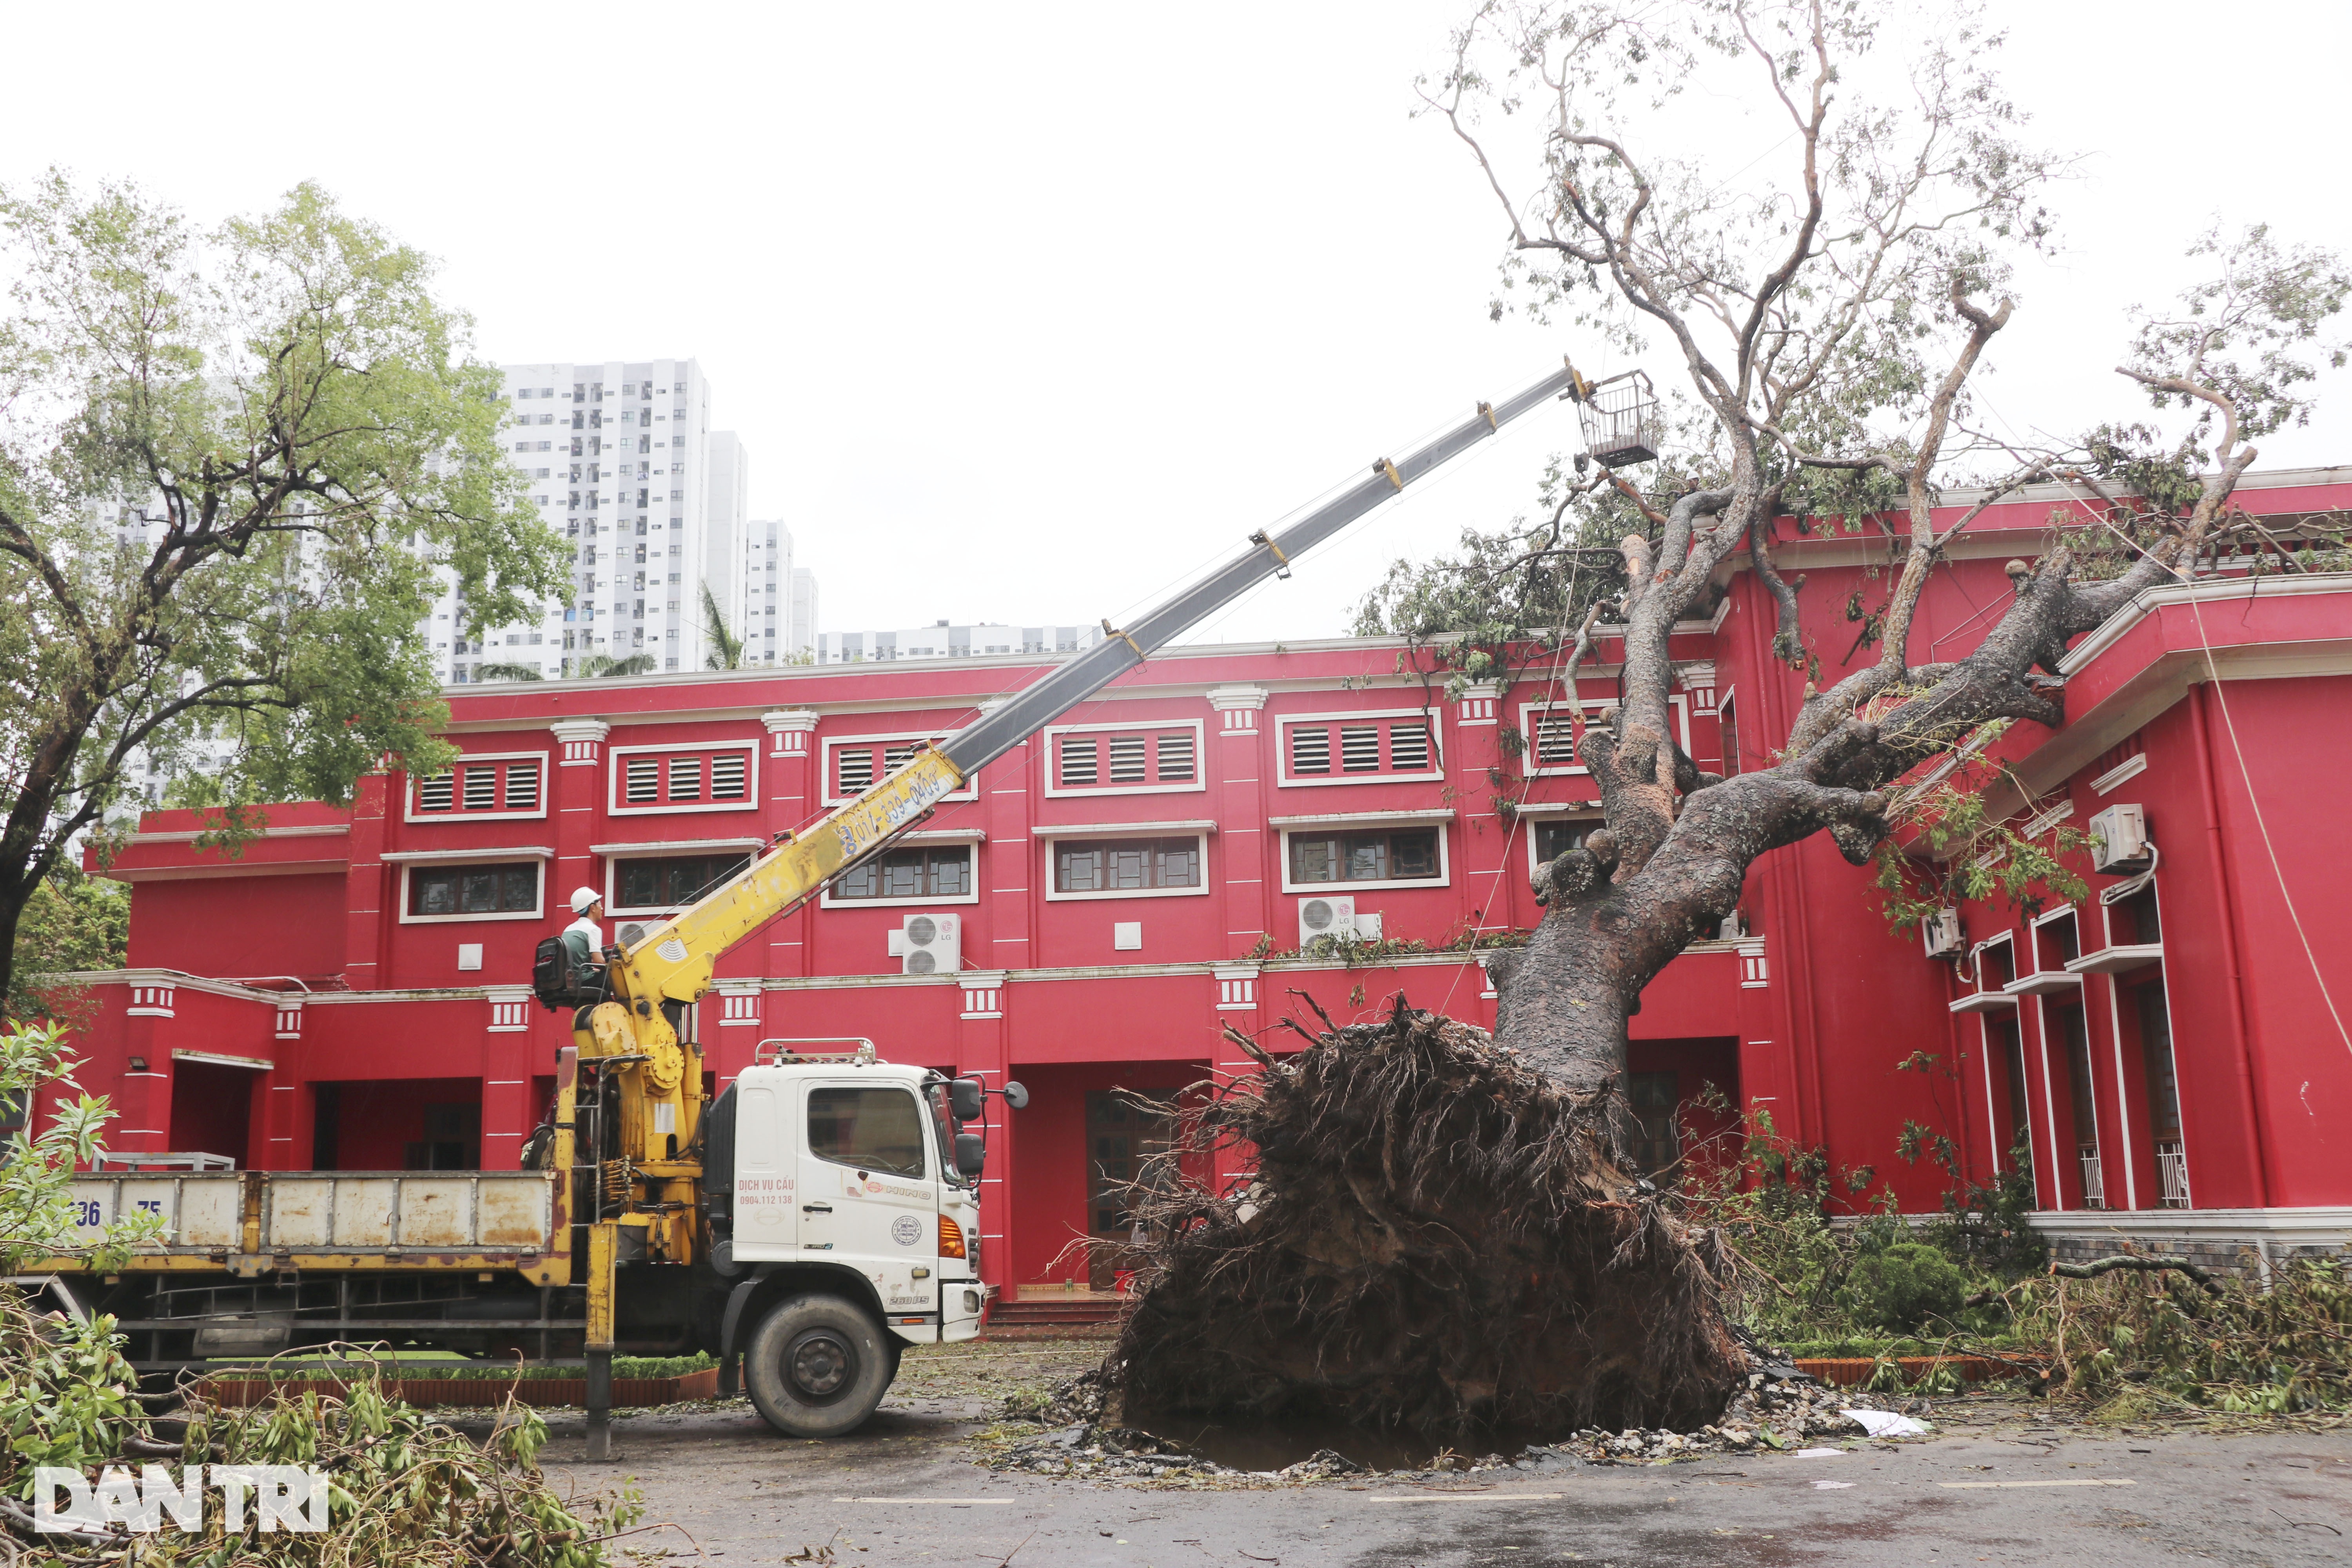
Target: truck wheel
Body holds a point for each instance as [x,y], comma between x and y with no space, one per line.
[817,1366]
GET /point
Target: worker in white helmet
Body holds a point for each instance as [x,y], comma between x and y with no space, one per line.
[584,936]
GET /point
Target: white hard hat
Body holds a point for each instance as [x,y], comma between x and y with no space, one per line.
[581,897]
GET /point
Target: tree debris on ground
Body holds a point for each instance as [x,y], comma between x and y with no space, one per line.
[404,1488]
[1436,1239]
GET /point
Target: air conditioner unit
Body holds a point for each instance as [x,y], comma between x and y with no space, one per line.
[929,944]
[2120,845]
[1941,933]
[1337,919]
[628,933]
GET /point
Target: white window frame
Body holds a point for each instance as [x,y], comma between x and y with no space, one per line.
[827,743]
[2007,935]
[1556,811]
[2034,928]
[1528,713]
[1365,822]
[410,861]
[614,854]
[615,770]
[546,788]
[1283,721]
[825,900]
[1050,836]
[1053,733]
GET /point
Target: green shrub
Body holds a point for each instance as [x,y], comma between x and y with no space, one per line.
[1901,1287]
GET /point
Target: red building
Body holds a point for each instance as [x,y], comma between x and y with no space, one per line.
[350,991]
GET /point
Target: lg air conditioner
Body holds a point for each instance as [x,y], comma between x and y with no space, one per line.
[1337,919]
[1940,933]
[929,944]
[2120,845]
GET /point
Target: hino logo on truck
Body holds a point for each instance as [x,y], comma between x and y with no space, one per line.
[906,1230]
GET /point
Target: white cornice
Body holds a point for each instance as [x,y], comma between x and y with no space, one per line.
[300,830]
[1363,818]
[2211,590]
[526,852]
[679,846]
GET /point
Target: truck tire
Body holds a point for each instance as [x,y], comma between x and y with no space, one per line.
[816,1366]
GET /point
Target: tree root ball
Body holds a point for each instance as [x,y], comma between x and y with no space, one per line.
[1435,1238]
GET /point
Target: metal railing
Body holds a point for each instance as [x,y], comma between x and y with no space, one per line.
[2095,1183]
[2172,1174]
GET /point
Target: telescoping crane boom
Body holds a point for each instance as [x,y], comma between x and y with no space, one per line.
[669,966]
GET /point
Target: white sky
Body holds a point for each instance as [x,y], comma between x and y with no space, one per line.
[1027,312]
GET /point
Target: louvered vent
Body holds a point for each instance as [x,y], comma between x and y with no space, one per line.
[1126,760]
[1359,749]
[1175,756]
[1081,763]
[522,786]
[439,793]
[728,775]
[643,776]
[1409,746]
[897,757]
[856,770]
[481,789]
[686,778]
[1310,751]
[1555,741]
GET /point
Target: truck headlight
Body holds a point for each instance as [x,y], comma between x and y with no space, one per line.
[972,1302]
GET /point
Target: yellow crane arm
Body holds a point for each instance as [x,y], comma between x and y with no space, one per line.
[673,961]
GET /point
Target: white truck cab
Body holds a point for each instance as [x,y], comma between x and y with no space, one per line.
[849,1221]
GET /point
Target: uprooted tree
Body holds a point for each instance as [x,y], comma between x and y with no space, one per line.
[1442,1229]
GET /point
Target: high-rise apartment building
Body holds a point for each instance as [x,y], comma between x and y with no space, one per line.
[655,504]
[942,640]
[779,598]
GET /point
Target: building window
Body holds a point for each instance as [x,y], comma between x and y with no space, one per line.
[1555,838]
[1549,731]
[856,764]
[1114,865]
[491,786]
[1658,1142]
[1354,748]
[671,881]
[1105,759]
[699,778]
[1382,855]
[507,887]
[925,873]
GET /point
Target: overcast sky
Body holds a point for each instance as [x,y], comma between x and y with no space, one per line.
[1027,312]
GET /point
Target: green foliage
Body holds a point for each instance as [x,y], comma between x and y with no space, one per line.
[509,672]
[1902,1286]
[2155,1339]
[36,1163]
[726,643]
[1969,857]
[2250,332]
[233,464]
[72,922]
[402,1486]
[595,665]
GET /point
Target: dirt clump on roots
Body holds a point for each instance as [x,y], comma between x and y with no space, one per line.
[1435,1238]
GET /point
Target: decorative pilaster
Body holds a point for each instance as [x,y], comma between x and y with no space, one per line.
[983,992]
[789,731]
[1478,702]
[581,741]
[739,1005]
[1697,681]
[1238,707]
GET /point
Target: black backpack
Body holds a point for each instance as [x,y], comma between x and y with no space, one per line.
[550,974]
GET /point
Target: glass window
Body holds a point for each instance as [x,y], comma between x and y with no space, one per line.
[1126,865]
[1554,839]
[499,890]
[871,1129]
[672,881]
[929,871]
[1395,854]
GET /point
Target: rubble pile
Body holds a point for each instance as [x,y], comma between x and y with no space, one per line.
[1779,1409]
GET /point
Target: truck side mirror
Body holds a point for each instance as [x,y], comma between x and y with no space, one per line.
[964,1099]
[970,1155]
[1015,1097]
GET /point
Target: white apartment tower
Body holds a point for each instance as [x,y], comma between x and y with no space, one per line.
[779,598]
[624,464]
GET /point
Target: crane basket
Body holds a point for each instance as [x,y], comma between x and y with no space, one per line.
[1622,425]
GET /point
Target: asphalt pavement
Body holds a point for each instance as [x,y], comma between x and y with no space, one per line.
[2009,1485]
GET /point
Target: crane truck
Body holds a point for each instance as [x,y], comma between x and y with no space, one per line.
[804,1227]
